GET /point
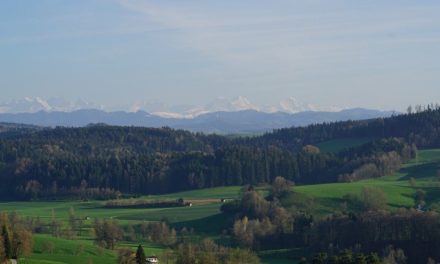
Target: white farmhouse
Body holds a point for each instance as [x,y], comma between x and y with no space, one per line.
[152,260]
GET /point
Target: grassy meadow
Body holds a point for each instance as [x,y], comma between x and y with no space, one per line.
[205,217]
[323,199]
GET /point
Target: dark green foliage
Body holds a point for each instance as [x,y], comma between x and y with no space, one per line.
[420,128]
[56,162]
[344,257]
[419,197]
[8,130]
[140,255]
[231,207]
[321,258]
[373,259]
[7,242]
[360,259]
[303,261]
[416,233]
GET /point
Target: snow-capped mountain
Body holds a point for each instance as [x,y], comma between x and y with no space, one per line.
[245,121]
[25,105]
[292,105]
[36,104]
[221,104]
[236,104]
[222,115]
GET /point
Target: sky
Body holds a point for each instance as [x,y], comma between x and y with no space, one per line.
[381,54]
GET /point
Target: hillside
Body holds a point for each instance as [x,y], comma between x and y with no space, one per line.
[328,198]
[207,220]
[100,161]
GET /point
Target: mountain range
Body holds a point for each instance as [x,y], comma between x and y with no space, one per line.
[220,104]
[222,122]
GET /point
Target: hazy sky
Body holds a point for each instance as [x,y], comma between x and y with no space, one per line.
[375,53]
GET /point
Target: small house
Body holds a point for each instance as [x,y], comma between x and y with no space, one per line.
[152,260]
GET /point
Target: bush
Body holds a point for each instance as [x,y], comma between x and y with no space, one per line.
[370,199]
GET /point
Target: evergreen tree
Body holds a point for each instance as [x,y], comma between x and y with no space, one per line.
[140,255]
[361,259]
[7,242]
[373,259]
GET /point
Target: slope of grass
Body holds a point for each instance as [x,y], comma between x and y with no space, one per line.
[324,199]
[68,251]
[205,218]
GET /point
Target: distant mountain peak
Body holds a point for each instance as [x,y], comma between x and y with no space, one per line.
[242,121]
[289,105]
[36,104]
[293,105]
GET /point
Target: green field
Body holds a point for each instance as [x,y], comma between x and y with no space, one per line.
[205,216]
[326,198]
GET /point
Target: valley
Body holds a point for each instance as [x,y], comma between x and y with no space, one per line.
[206,219]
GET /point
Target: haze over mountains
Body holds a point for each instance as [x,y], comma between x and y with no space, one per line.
[35,104]
[220,116]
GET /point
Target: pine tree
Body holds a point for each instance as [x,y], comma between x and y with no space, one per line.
[140,255]
[7,242]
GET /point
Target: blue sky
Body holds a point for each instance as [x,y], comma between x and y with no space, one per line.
[376,53]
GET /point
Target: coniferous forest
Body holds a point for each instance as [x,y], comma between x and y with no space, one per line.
[104,162]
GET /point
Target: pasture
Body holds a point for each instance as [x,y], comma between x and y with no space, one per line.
[323,199]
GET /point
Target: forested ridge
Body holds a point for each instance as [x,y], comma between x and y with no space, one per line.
[421,127]
[100,161]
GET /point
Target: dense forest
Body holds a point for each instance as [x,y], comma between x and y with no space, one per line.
[420,126]
[102,161]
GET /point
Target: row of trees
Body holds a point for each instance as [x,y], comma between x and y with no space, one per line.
[137,204]
[108,233]
[203,252]
[390,255]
